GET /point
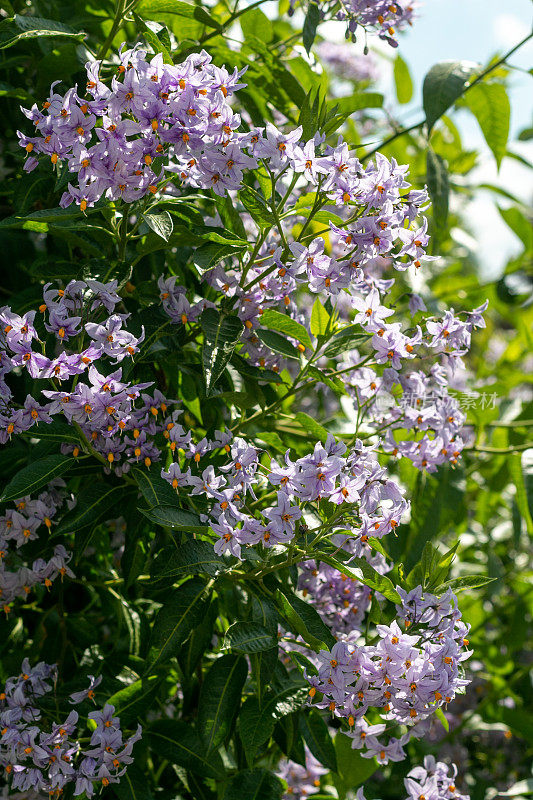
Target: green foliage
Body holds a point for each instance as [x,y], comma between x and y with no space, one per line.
[443,85]
[402,81]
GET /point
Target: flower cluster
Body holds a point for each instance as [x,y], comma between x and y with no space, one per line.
[383,17]
[328,473]
[43,760]
[118,420]
[434,781]
[345,63]
[118,140]
[424,408]
[23,524]
[404,677]
[301,781]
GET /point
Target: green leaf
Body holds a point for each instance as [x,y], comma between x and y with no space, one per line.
[255,727]
[249,637]
[489,103]
[6,90]
[43,216]
[255,784]
[257,208]
[433,567]
[179,743]
[316,735]
[438,186]
[285,699]
[358,100]
[360,569]
[275,321]
[312,18]
[193,557]
[133,785]
[519,224]
[278,343]
[212,253]
[147,8]
[319,319]
[200,640]
[183,609]
[55,431]
[308,116]
[160,222]
[517,475]
[221,334]
[519,720]
[439,713]
[309,622]
[297,624]
[403,81]
[254,23]
[273,440]
[311,426]
[173,517]
[466,582]
[132,702]
[93,503]
[256,723]
[36,475]
[346,339]
[220,697]
[154,35]
[255,373]
[443,84]
[21,27]
[155,490]
[352,768]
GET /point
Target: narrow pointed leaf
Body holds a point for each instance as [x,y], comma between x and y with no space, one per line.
[179,743]
[403,81]
[183,609]
[94,501]
[316,734]
[249,637]
[274,320]
[438,186]
[161,223]
[221,334]
[361,570]
[36,475]
[278,343]
[489,103]
[135,700]
[466,582]
[220,698]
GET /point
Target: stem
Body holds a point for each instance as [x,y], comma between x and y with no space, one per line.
[230,20]
[122,9]
[516,449]
[517,423]
[393,138]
